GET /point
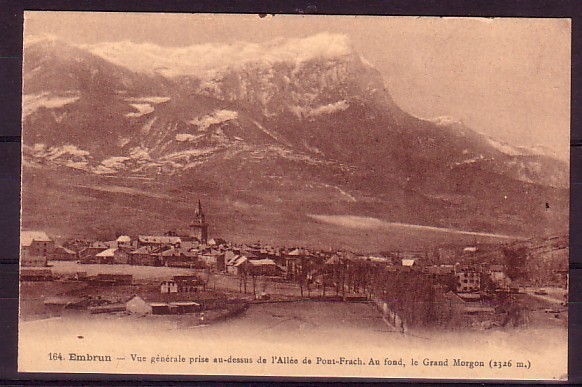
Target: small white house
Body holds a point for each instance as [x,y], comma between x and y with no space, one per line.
[168,287]
[123,241]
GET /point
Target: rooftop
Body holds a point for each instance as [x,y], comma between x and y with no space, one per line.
[107,253]
[159,239]
[27,237]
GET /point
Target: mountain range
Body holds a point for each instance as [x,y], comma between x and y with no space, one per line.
[271,137]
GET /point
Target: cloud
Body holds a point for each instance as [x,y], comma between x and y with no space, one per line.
[203,58]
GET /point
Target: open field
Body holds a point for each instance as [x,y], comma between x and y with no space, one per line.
[279,217]
[362,222]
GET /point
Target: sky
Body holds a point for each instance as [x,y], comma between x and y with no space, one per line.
[508,78]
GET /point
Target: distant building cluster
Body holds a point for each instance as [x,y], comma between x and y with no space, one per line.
[465,270]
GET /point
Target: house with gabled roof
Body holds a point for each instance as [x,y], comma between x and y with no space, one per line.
[124,242]
[111,256]
[236,265]
[35,248]
[88,254]
[263,267]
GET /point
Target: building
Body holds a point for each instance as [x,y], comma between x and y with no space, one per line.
[188,283]
[124,242]
[237,265]
[88,254]
[183,307]
[199,227]
[266,267]
[468,281]
[293,263]
[216,242]
[111,256]
[229,255]
[144,256]
[138,305]
[168,287]
[77,244]
[61,253]
[35,247]
[158,241]
[177,257]
[214,260]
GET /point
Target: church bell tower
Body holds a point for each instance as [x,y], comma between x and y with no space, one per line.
[199,226]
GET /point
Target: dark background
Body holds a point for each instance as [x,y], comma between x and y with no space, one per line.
[11,18]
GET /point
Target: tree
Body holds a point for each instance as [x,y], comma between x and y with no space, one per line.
[242,273]
[515,261]
[301,277]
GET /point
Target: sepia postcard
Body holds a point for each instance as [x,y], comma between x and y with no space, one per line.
[292,195]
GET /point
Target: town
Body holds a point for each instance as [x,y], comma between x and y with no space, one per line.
[187,274]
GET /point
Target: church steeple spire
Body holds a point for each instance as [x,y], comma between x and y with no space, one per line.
[199,225]
[199,214]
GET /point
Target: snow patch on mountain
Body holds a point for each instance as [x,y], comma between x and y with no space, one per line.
[310,112]
[209,86]
[312,148]
[457,126]
[66,155]
[445,121]
[123,141]
[504,147]
[214,118]
[139,153]
[288,154]
[187,137]
[346,195]
[536,150]
[102,170]
[188,154]
[269,133]
[81,165]
[145,129]
[470,161]
[33,102]
[511,150]
[151,99]
[366,62]
[142,110]
[66,150]
[543,150]
[115,162]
